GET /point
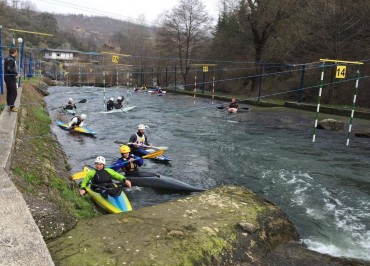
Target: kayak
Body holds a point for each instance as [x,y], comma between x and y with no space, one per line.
[69,111]
[81,130]
[141,152]
[122,110]
[233,110]
[152,180]
[111,204]
[157,181]
[156,92]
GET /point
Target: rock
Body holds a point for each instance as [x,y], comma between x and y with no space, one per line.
[228,226]
[363,134]
[331,124]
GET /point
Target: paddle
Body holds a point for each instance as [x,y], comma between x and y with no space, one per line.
[151,155]
[143,146]
[81,101]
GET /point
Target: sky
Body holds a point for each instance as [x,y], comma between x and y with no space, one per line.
[119,9]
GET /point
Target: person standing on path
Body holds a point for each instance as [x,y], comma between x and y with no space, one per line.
[10,78]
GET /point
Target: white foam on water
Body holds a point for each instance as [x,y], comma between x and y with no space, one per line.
[348,250]
[341,223]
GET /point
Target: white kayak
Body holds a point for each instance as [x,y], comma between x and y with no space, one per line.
[122,110]
[233,110]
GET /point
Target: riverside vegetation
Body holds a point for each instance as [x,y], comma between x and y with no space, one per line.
[40,169]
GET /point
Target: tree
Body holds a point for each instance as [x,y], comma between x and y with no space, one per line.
[183,33]
[263,18]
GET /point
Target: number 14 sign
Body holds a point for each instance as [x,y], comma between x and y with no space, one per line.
[341,72]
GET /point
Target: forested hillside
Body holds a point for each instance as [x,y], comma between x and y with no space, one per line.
[265,49]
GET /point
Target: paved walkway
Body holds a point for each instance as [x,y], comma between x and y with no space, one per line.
[21,242]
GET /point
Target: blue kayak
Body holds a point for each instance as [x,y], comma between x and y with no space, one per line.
[81,130]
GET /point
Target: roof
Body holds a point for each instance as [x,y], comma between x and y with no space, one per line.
[60,50]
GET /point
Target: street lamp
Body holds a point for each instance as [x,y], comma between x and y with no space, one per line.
[20,41]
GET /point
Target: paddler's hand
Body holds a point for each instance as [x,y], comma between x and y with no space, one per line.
[82,191]
[128,183]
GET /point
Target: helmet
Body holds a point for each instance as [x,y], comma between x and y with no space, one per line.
[124,149]
[233,100]
[119,98]
[100,159]
[70,100]
[141,126]
[83,117]
[111,98]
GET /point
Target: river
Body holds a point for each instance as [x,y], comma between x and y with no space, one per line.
[323,187]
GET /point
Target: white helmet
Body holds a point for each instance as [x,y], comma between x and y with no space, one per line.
[70,100]
[100,159]
[141,126]
[83,117]
[119,98]
[111,98]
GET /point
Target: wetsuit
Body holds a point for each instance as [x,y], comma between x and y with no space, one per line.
[110,105]
[118,104]
[70,106]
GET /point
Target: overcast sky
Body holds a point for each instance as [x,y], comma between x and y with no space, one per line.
[120,9]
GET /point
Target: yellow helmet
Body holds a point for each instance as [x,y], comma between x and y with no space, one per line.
[124,149]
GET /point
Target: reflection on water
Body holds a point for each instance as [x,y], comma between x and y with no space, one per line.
[323,187]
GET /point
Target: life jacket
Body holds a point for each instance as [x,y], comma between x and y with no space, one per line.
[140,140]
[70,106]
[79,121]
[233,105]
[131,166]
[101,177]
[102,183]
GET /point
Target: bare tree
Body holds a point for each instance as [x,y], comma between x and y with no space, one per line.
[263,18]
[183,32]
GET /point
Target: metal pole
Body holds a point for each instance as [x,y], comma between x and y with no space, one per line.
[175,79]
[20,42]
[1,62]
[353,107]
[318,102]
[195,87]
[300,92]
[166,77]
[213,88]
[204,77]
[260,85]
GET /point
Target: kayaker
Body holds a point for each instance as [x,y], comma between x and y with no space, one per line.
[70,105]
[101,180]
[77,121]
[139,139]
[129,162]
[119,103]
[110,104]
[233,104]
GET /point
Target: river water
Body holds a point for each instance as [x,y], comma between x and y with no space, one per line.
[323,187]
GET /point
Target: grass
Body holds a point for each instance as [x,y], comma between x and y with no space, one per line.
[39,163]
